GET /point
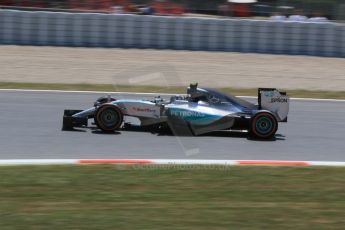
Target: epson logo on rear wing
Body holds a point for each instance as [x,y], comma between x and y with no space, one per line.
[279,100]
[274,101]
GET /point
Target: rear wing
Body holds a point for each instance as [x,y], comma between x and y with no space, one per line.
[274,101]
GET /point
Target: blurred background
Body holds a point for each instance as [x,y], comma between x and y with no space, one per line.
[330,9]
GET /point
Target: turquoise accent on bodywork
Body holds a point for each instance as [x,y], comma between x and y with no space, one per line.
[132,101]
[194,117]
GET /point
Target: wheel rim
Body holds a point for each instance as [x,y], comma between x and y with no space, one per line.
[109,118]
[264,125]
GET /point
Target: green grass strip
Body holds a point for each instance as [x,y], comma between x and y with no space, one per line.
[158,89]
[171,197]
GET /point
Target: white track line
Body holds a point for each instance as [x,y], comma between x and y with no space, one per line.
[150,94]
[38,161]
[86,92]
[169,162]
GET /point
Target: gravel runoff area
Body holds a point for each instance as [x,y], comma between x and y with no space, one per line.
[167,67]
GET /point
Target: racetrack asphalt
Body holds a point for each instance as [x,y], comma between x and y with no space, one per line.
[31,122]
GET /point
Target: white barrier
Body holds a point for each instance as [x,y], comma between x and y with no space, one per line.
[135,31]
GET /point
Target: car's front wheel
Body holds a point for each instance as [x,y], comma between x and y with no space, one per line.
[263,125]
[108,117]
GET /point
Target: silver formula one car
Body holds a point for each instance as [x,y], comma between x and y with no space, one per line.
[202,111]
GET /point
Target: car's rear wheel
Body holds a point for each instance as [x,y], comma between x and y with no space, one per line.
[108,117]
[263,125]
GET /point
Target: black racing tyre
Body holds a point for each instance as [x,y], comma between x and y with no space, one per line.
[263,125]
[108,117]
